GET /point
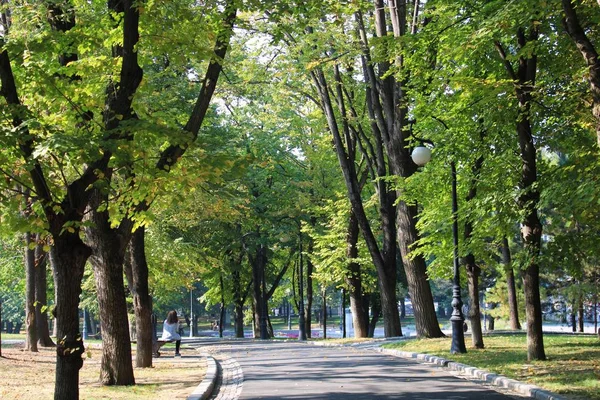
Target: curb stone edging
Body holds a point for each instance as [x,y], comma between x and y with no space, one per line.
[205,388]
[488,377]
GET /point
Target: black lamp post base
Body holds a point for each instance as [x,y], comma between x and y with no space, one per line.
[458,337]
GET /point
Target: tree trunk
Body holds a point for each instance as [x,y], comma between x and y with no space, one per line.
[384,256]
[68,256]
[324,311]
[533,309]
[360,316]
[388,107]
[222,308]
[309,296]
[590,55]
[136,270]
[376,313]
[426,323]
[473,272]
[116,367]
[531,227]
[30,271]
[573,320]
[513,306]
[108,256]
[41,297]
[259,263]
[238,301]
[580,312]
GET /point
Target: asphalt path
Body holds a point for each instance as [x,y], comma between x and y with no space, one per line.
[296,370]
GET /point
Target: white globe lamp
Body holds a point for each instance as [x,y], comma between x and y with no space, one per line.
[421,155]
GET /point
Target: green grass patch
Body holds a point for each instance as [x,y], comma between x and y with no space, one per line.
[572,368]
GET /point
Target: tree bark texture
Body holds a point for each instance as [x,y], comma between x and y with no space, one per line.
[360,315]
[531,226]
[580,314]
[136,268]
[41,317]
[68,256]
[590,55]
[30,271]
[426,322]
[474,315]
[309,297]
[375,314]
[473,270]
[108,256]
[388,107]
[513,305]
[324,311]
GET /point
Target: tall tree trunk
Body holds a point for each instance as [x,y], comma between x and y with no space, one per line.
[580,312]
[30,271]
[309,295]
[513,307]
[238,301]
[473,270]
[531,227]
[473,273]
[108,257]
[136,270]
[590,55]
[384,258]
[68,256]
[388,107]
[376,313]
[259,263]
[222,307]
[426,323]
[41,297]
[324,311]
[360,316]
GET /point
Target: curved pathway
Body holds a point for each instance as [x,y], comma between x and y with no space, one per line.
[295,370]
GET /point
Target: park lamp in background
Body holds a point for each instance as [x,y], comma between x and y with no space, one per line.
[421,155]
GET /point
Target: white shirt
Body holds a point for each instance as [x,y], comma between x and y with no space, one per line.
[170,331]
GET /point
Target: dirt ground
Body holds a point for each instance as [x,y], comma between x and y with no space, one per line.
[25,375]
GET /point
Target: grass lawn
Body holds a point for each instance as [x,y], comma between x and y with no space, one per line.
[28,375]
[572,368]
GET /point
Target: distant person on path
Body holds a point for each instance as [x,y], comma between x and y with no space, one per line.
[171,329]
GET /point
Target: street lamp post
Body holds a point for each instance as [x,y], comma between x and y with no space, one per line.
[421,156]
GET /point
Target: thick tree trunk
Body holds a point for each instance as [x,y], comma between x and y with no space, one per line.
[136,268]
[473,272]
[426,322]
[41,317]
[531,227]
[107,260]
[30,271]
[360,315]
[533,309]
[68,256]
[309,296]
[513,307]
[238,301]
[259,263]
[108,257]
